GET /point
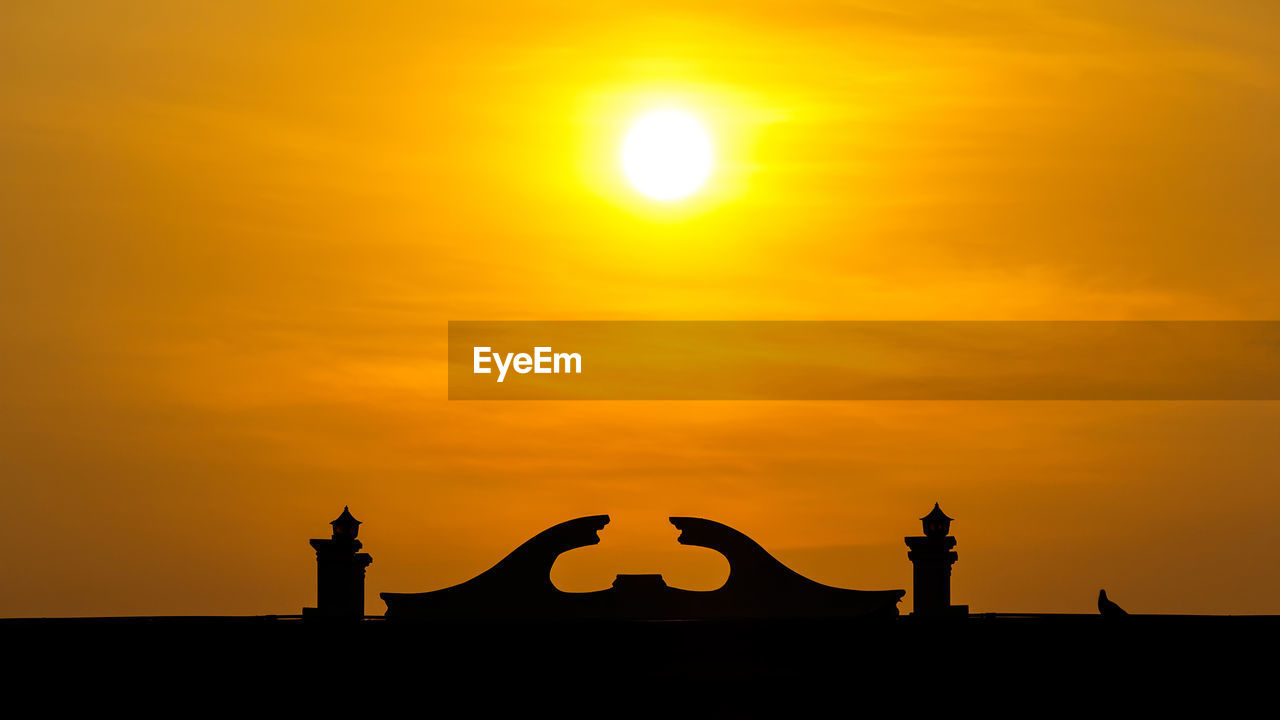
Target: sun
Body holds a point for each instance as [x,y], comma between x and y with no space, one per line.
[667,155]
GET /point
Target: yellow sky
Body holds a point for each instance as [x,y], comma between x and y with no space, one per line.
[231,237]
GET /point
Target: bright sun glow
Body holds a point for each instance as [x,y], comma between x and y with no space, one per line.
[667,155]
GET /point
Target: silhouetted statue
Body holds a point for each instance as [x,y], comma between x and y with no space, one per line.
[758,585]
[931,559]
[339,572]
[1108,608]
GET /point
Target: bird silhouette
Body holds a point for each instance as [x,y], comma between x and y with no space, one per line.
[1108,608]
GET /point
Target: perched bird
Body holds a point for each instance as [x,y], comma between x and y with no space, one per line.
[1108,608]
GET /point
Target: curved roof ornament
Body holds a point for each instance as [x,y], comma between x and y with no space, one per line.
[520,586]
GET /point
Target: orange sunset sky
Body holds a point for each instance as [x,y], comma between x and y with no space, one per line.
[232,234]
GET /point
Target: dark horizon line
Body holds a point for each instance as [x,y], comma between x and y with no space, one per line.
[272,617]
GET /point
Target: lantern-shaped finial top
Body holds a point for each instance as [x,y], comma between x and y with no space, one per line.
[936,523]
[346,526]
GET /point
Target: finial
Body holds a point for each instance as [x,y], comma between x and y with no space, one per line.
[936,523]
[346,525]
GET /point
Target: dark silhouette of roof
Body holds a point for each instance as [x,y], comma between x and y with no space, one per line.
[937,514]
[759,586]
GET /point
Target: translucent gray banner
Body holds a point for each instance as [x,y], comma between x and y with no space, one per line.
[715,360]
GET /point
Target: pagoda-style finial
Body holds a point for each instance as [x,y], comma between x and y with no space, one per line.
[346,526]
[936,523]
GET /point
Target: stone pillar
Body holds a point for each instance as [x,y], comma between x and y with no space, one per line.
[931,557]
[340,571]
